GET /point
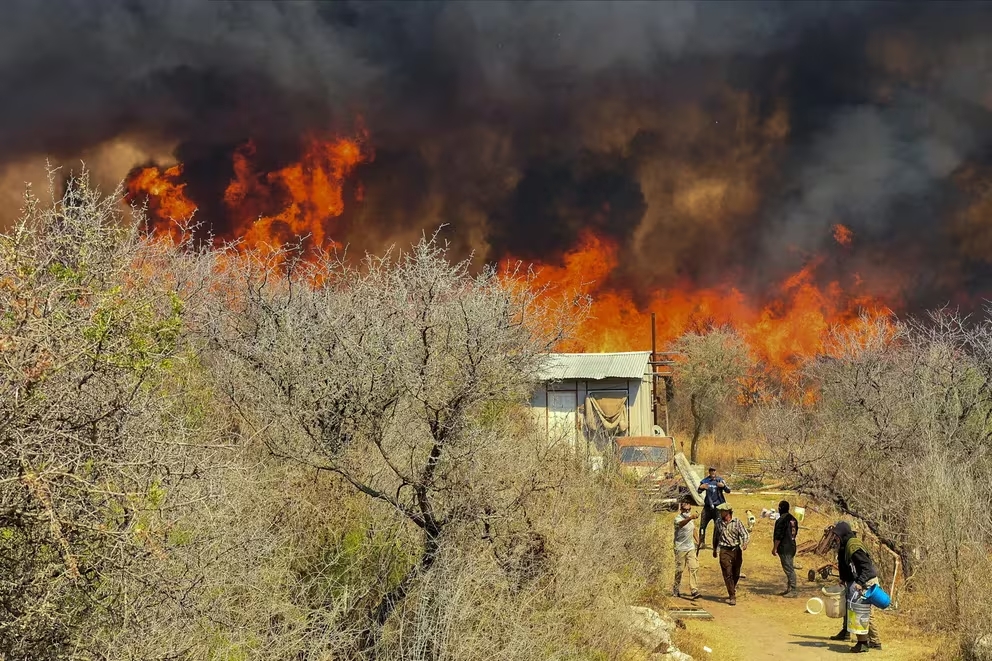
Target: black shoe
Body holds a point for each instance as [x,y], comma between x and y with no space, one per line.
[843,635]
[785,593]
[859,648]
[695,595]
[874,646]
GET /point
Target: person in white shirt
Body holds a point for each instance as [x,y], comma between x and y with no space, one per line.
[686,543]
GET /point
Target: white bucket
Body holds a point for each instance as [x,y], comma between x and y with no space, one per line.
[833,600]
[858,614]
[799,513]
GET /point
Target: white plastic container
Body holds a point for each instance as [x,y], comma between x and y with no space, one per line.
[799,513]
[833,600]
[814,606]
[858,614]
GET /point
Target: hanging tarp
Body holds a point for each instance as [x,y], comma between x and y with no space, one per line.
[607,411]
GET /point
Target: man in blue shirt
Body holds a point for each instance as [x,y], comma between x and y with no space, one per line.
[714,487]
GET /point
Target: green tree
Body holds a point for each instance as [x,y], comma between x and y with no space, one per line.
[709,372]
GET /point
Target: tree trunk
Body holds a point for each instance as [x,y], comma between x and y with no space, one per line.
[697,428]
[389,601]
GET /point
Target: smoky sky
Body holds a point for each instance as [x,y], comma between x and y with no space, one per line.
[713,142]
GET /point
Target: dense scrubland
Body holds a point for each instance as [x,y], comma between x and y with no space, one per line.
[219,453]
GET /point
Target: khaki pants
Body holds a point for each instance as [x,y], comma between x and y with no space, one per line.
[686,560]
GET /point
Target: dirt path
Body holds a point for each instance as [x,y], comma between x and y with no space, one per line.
[765,626]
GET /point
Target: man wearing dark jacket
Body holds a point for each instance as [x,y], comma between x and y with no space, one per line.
[714,487]
[856,569]
[784,546]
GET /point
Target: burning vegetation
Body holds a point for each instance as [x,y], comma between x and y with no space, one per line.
[783,324]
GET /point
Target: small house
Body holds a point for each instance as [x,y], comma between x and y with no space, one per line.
[585,399]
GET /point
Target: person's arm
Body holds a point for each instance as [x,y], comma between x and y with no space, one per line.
[864,568]
[703,485]
[776,538]
[684,521]
[723,485]
[695,538]
[747,535]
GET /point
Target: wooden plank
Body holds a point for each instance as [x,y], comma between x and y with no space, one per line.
[689,477]
[690,614]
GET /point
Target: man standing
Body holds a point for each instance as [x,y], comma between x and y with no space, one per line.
[714,487]
[856,569]
[731,537]
[784,546]
[686,542]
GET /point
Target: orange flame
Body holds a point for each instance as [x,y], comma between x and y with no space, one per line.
[792,326]
[269,209]
[843,235]
[308,197]
[165,194]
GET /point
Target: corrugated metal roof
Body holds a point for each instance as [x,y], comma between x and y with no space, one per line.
[624,365]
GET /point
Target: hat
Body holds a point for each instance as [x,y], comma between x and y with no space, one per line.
[842,528]
[711,468]
[725,507]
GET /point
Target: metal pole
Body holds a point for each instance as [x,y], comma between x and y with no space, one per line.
[654,373]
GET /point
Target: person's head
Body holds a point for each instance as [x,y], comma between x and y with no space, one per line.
[685,507]
[726,512]
[783,507]
[843,529]
[712,471]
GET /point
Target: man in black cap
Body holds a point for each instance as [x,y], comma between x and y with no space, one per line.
[856,569]
[714,488]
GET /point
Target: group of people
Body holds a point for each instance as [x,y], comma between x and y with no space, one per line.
[731,537]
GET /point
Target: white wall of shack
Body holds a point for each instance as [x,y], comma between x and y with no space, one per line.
[638,392]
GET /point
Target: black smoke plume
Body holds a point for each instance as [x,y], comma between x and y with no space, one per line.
[713,142]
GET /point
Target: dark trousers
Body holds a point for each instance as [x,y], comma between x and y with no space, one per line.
[709,514]
[731,559]
[788,561]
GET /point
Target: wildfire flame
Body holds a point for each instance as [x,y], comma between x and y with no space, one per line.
[165,194]
[306,198]
[267,209]
[843,235]
[791,326]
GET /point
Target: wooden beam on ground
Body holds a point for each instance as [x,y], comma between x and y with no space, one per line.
[690,614]
[689,477]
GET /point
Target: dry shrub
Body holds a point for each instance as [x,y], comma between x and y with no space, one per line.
[207,458]
[104,443]
[563,597]
[723,452]
[901,438]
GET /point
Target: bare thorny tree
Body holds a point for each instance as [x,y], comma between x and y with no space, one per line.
[398,377]
[96,431]
[900,436]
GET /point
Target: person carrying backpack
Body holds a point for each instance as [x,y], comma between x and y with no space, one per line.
[856,569]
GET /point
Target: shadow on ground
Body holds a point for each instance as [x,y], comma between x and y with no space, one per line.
[820,642]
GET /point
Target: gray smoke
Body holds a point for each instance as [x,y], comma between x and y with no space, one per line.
[522,123]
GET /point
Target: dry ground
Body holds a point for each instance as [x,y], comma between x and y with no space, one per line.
[765,626]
